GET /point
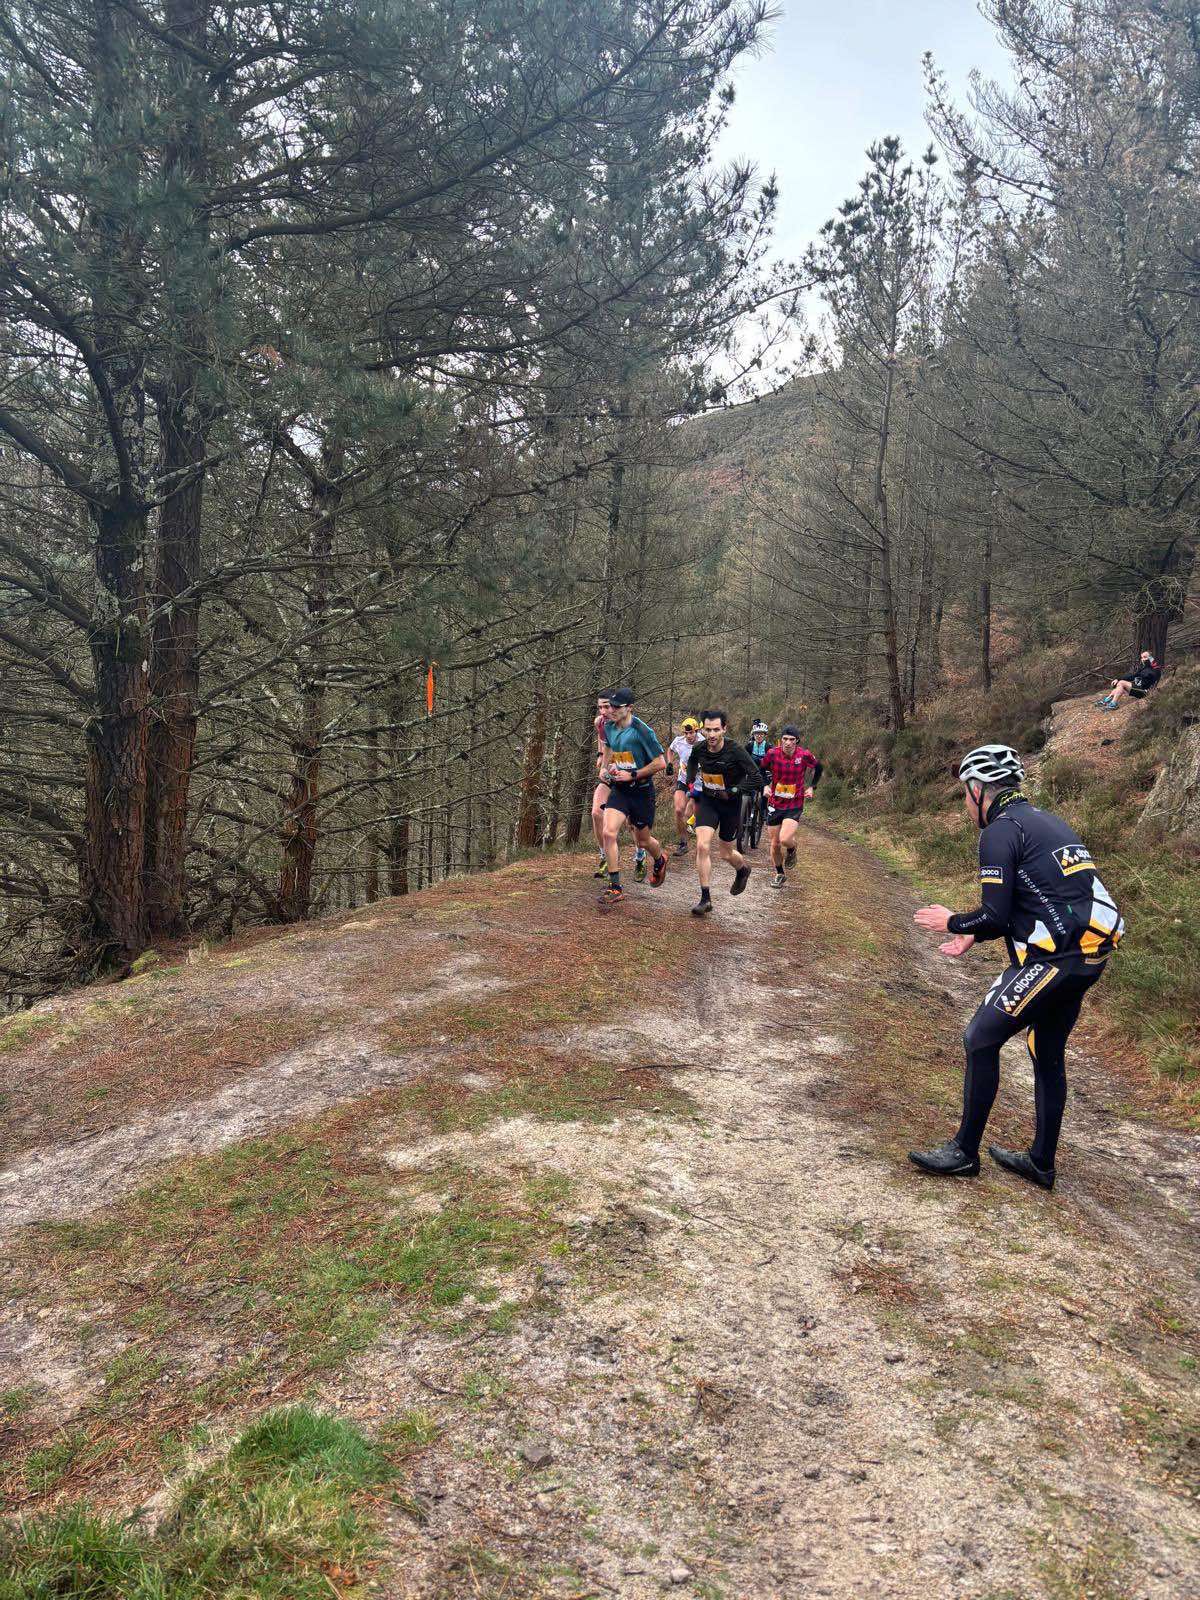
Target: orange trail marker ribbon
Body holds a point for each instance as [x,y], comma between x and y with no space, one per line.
[429,689]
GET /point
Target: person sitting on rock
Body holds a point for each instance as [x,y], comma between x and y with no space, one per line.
[1137,685]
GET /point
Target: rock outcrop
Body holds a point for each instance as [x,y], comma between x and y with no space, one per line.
[1174,802]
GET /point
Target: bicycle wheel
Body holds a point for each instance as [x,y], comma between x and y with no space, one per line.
[744,821]
[758,821]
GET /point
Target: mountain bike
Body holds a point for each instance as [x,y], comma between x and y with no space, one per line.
[752,816]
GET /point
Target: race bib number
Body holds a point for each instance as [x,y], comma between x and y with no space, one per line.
[623,759]
[714,782]
[784,791]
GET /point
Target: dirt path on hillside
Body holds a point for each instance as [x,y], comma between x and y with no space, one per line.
[822,1374]
[790,1366]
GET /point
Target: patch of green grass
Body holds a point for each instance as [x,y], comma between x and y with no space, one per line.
[23,1028]
[277,1518]
[1099,1572]
[16,1402]
[483,1387]
[44,1468]
[1167,1430]
[126,1379]
[314,1251]
[412,1431]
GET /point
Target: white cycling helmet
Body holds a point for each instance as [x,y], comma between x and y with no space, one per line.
[758,727]
[991,763]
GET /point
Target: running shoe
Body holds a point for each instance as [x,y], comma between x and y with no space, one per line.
[691,824]
[703,907]
[601,871]
[681,849]
[789,859]
[610,897]
[659,873]
[740,879]
[639,869]
[779,881]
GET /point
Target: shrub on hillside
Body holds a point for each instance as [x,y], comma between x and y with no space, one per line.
[1172,707]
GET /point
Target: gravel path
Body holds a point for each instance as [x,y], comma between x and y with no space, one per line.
[776,1361]
[819,1373]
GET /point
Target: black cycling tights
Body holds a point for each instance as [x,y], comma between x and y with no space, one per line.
[1044,999]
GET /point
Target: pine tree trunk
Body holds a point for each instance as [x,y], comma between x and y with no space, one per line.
[985,596]
[529,809]
[174,672]
[174,661]
[581,784]
[397,855]
[890,639]
[556,778]
[1163,600]
[298,829]
[924,616]
[115,776]
[372,774]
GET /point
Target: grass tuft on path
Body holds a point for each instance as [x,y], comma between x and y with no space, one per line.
[285,1254]
[279,1517]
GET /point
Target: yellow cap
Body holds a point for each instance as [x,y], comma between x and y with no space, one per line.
[689,722]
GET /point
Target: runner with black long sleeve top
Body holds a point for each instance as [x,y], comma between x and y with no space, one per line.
[725,772]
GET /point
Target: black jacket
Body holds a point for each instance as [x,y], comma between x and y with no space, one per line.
[1144,676]
[726,776]
[1041,891]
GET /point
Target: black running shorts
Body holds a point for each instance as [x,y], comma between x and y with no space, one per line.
[774,818]
[724,818]
[635,801]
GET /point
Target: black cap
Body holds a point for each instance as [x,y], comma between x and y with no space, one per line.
[621,697]
[789,727]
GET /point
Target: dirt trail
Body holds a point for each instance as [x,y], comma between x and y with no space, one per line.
[794,1367]
[834,1377]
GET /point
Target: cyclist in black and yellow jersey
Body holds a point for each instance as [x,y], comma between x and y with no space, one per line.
[1042,895]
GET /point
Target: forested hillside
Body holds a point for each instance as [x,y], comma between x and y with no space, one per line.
[374,393]
[342,347]
[381,383]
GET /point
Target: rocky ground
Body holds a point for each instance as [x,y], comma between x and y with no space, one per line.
[733,1344]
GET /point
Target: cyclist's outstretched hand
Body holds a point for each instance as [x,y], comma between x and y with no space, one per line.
[935,918]
[958,946]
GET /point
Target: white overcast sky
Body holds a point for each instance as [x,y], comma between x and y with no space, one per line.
[834,76]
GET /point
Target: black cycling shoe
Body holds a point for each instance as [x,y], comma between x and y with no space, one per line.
[740,879]
[948,1160]
[703,907]
[1021,1162]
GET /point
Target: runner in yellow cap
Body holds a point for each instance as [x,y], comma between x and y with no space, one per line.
[677,759]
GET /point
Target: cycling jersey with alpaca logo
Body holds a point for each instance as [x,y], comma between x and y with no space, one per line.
[1041,892]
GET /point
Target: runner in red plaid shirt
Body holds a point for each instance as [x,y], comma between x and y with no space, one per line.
[792,773]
